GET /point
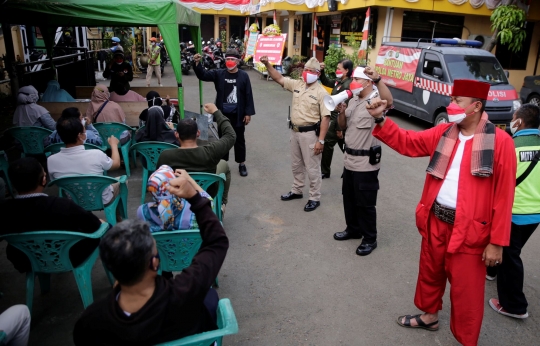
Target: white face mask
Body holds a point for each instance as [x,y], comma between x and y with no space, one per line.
[339,75]
[514,123]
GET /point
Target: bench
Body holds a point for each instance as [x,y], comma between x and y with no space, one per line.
[131,109]
[85,92]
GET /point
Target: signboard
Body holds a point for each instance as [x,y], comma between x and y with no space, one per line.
[272,46]
[397,66]
[252,42]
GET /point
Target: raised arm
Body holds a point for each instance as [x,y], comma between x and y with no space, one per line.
[384,92]
[327,82]
[272,72]
[202,74]
[222,146]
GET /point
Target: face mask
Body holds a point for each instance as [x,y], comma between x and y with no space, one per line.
[514,123]
[339,75]
[455,113]
[153,43]
[356,88]
[119,62]
[231,65]
[309,78]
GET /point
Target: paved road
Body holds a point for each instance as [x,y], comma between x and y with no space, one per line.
[289,282]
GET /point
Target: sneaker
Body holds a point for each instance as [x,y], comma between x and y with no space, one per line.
[490,278]
[161,85]
[494,303]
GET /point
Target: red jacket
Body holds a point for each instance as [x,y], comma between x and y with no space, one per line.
[484,204]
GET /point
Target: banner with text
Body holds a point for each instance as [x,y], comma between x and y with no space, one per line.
[252,42]
[272,46]
[397,66]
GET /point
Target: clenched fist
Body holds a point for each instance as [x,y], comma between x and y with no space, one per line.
[210,108]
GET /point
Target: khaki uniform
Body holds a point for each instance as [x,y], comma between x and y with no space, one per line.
[307,109]
[360,178]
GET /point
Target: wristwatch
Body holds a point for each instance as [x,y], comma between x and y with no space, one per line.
[321,141]
[377,80]
[380,119]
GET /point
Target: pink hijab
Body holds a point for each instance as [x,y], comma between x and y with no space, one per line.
[112,112]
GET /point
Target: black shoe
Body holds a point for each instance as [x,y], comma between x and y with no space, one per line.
[243,170]
[346,235]
[365,249]
[289,196]
[324,176]
[312,205]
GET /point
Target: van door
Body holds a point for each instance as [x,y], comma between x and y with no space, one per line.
[432,88]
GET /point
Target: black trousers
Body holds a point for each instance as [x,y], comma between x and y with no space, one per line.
[359,201]
[330,141]
[510,272]
[239,145]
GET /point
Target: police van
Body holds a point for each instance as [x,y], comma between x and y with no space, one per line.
[420,76]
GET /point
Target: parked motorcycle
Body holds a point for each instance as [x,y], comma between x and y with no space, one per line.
[164,57]
[186,58]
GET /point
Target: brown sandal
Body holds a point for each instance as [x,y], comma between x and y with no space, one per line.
[421,324]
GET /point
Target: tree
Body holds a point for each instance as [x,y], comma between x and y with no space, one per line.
[508,24]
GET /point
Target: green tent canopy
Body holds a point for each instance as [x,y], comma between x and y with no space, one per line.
[165,14]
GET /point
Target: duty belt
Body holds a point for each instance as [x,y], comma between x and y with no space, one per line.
[356,152]
[303,128]
[443,213]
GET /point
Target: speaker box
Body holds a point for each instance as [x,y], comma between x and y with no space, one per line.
[332,5]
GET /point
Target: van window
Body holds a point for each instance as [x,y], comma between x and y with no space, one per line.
[431,61]
[481,68]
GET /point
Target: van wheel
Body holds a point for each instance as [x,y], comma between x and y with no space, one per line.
[534,99]
[441,118]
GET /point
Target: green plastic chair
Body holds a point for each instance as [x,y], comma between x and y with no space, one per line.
[48,252]
[227,325]
[55,148]
[205,180]
[150,151]
[86,190]
[4,165]
[2,337]
[30,137]
[115,129]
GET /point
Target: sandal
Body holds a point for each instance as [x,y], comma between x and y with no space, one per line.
[421,324]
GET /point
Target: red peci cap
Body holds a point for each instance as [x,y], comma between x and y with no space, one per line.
[471,88]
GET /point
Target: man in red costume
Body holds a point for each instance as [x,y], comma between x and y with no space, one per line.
[465,211]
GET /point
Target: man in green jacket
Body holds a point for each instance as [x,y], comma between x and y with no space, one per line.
[525,214]
[206,158]
[335,134]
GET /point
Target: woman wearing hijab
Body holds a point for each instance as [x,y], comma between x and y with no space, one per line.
[102,109]
[169,112]
[156,129]
[28,113]
[121,94]
[54,93]
[168,212]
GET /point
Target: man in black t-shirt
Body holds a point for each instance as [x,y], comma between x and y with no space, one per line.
[234,99]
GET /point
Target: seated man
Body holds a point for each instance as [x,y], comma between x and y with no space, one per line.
[145,308]
[206,158]
[15,322]
[35,211]
[92,135]
[74,159]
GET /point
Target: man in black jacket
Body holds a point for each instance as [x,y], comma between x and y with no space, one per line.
[148,309]
[41,212]
[233,97]
[119,71]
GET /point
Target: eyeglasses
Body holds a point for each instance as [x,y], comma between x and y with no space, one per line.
[152,259]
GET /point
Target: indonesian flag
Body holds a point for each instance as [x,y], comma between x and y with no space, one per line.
[365,34]
[275,18]
[258,26]
[315,38]
[246,31]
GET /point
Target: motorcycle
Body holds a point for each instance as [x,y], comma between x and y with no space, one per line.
[186,58]
[164,57]
[212,57]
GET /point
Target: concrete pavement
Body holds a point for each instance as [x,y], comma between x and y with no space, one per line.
[289,282]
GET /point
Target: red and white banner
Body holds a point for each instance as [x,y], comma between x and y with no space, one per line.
[243,6]
[275,19]
[271,46]
[397,66]
[362,51]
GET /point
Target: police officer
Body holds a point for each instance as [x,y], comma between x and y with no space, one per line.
[335,134]
[361,161]
[307,139]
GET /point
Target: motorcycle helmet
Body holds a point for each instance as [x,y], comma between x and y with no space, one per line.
[238,41]
[218,44]
[115,39]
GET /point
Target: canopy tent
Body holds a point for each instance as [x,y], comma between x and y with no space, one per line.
[165,14]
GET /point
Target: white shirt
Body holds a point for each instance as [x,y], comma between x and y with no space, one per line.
[448,193]
[77,160]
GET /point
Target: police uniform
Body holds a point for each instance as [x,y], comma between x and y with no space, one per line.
[331,138]
[360,177]
[307,110]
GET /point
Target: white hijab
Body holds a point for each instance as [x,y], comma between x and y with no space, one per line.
[28,112]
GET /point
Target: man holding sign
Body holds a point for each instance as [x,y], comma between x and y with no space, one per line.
[309,121]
